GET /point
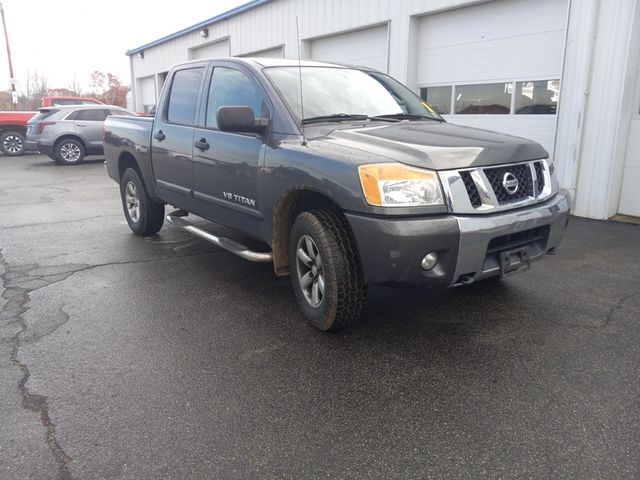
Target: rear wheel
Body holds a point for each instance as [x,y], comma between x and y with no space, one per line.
[325,270]
[12,143]
[144,216]
[69,152]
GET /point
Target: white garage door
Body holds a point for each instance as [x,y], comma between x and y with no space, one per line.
[630,194]
[217,49]
[496,65]
[367,47]
[147,93]
[277,52]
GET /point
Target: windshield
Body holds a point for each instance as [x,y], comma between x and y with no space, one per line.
[339,92]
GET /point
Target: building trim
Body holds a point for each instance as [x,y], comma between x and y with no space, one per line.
[193,28]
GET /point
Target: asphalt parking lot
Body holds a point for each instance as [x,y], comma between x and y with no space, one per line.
[131,358]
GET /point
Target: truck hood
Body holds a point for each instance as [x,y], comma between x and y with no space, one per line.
[438,146]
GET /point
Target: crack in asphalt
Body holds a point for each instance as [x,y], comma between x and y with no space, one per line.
[17,299]
[18,284]
[617,306]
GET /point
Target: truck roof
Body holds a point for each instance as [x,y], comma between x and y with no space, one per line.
[269,62]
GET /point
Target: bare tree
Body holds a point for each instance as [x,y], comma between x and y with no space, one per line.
[75,86]
[35,89]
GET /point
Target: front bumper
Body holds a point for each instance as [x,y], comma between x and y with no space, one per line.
[468,246]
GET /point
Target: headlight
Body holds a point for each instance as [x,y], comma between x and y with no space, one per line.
[396,185]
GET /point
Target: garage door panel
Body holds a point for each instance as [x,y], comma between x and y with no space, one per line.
[218,49]
[500,19]
[630,193]
[147,92]
[277,52]
[496,40]
[514,58]
[366,47]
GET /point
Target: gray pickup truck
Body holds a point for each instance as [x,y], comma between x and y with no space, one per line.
[345,175]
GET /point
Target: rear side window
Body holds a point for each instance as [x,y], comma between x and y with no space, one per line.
[89,115]
[183,97]
[42,114]
[232,87]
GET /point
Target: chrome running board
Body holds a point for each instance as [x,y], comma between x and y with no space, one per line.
[177,218]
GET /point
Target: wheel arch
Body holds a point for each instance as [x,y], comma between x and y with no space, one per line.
[291,204]
[69,136]
[127,160]
[21,129]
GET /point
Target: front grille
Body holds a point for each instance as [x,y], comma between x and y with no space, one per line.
[472,190]
[486,189]
[539,177]
[522,172]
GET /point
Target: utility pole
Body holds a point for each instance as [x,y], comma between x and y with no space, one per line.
[14,94]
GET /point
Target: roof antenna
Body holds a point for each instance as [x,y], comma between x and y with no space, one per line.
[304,137]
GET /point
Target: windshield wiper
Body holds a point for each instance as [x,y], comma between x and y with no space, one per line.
[338,117]
[408,116]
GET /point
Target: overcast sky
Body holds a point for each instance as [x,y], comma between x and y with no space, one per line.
[67,38]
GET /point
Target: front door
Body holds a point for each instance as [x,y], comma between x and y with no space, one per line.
[226,164]
[172,137]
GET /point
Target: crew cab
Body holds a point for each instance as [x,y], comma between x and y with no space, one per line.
[347,177]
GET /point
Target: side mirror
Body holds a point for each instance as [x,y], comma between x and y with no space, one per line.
[240,119]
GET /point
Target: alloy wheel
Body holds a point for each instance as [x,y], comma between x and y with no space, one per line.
[132,202]
[310,271]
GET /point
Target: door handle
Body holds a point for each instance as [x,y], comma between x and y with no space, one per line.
[81,124]
[202,144]
[160,136]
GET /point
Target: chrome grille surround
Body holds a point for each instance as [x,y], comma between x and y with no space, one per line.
[461,197]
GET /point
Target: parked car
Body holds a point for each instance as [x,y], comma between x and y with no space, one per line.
[68,133]
[13,131]
[368,186]
[52,101]
[13,125]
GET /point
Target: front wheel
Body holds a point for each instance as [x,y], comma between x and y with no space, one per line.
[12,143]
[325,270]
[144,216]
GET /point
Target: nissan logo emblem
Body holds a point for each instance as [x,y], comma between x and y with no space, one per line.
[510,183]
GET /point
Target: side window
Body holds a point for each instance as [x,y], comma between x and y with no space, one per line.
[183,98]
[92,115]
[231,87]
[73,115]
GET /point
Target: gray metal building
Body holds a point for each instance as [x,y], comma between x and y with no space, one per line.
[562,72]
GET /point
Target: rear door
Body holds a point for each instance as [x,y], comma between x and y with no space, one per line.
[88,125]
[172,135]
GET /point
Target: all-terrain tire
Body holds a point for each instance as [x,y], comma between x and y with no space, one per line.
[345,290]
[144,216]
